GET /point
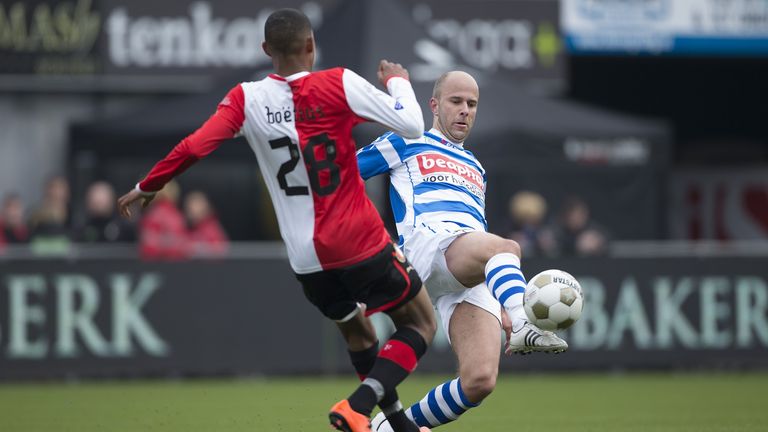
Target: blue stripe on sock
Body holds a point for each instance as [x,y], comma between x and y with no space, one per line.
[418,416]
[493,272]
[435,408]
[507,278]
[458,410]
[509,293]
[463,397]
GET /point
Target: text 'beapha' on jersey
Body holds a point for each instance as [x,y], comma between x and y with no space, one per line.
[299,114]
[432,163]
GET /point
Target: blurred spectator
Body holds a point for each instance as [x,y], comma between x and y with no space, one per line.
[162,230]
[102,224]
[206,235]
[577,234]
[527,211]
[13,228]
[49,223]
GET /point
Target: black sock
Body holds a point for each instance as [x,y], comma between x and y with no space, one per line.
[394,363]
[364,360]
[397,418]
[365,397]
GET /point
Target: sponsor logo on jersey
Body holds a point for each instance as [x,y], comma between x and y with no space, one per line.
[432,163]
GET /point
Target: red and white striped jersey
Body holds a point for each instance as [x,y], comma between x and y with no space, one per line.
[300,127]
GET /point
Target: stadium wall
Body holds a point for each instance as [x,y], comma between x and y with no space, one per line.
[121,318]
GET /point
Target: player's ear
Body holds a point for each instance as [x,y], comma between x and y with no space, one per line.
[265,47]
[433,105]
[310,44]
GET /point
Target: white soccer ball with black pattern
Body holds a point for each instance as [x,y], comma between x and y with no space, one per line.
[553,300]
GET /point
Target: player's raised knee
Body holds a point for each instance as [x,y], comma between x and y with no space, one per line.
[502,245]
[512,246]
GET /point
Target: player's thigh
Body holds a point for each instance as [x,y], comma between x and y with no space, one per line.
[476,339]
[418,314]
[467,255]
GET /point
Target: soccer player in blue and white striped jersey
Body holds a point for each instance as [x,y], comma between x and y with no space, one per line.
[437,195]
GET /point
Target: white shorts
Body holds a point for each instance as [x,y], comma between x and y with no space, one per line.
[425,249]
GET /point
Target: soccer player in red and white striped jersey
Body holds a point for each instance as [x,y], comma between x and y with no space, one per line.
[299,124]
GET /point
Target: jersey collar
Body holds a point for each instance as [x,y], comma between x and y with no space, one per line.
[437,136]
[291,77]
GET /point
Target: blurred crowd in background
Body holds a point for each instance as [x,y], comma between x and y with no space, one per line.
[570,231]
[175,225]
[179,225]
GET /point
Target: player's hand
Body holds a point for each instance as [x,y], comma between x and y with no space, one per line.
[388,70]
[125,201]
[506,325]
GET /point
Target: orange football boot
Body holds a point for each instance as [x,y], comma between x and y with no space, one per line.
[345,419]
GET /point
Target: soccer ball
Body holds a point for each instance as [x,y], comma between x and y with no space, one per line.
[553,300]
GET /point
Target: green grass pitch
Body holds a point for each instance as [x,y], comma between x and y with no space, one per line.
[727,402]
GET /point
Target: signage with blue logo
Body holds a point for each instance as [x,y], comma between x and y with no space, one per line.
[685,27]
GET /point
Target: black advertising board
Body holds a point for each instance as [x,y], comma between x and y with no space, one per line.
[138,41]
[516,39]
[118,44]
[661,313]
[108,318]
[129,318]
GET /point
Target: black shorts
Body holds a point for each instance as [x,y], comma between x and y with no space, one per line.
[383,282]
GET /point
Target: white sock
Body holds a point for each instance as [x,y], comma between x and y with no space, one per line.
[507,284]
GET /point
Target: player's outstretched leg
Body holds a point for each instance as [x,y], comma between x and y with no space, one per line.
[474,334]
[415,323]
[507,284]
[395,361]
[391,407]
[479,257]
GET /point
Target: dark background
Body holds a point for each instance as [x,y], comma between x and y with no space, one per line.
[716,105]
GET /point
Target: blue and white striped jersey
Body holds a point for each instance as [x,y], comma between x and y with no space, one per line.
[432,181]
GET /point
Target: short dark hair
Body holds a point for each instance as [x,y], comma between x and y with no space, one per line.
[286,30]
